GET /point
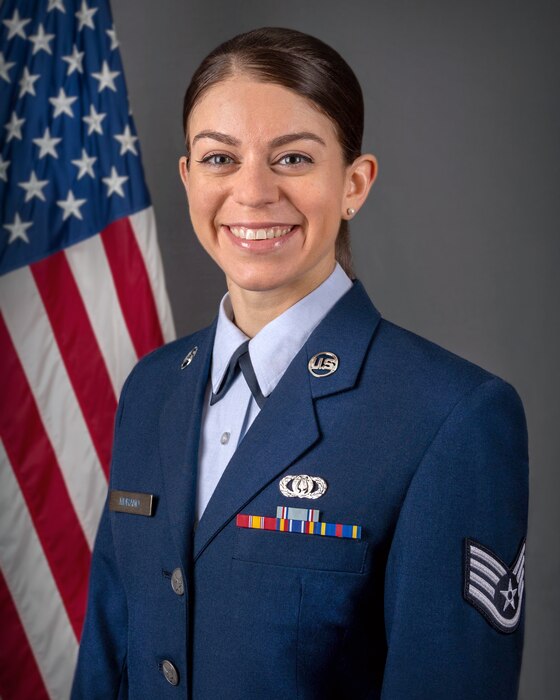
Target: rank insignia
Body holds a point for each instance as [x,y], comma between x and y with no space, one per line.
[492,587]
[303,527]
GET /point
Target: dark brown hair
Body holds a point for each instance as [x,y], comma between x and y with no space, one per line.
[304,64]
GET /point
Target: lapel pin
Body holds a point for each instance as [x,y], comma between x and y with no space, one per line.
[303,486]
[322,364]
[189,357]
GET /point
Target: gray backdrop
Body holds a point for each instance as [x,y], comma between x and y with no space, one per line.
[459,238]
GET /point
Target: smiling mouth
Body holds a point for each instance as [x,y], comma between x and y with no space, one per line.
[260,234]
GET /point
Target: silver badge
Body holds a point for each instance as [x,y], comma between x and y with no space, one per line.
[322,364]
[303,486]
[494,588]
[189,357]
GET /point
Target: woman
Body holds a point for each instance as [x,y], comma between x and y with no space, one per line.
[306,501]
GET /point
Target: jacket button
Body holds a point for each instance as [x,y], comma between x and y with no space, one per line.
[170,672]
[177,582]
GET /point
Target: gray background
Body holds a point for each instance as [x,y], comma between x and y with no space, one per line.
[458,240]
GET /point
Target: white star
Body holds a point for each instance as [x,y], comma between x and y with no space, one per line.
[127,140]
[85,164]
[4,68]
[74,60]
[509,596]
[4,169]
[47,144]
[56,5]
[62,104]
[115,182]
[14,127]
[16,25]
[34,188]
[71,206]
[113,36]
[17,229]
[26,83]
[85,15]
[41,40]
[94,121]
[106,77]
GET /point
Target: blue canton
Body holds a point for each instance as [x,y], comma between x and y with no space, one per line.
[69,154]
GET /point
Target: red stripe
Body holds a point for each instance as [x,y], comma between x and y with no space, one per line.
[79,349]
[339,529]
[242,521]
[133,286]
[40,480]
[20,678]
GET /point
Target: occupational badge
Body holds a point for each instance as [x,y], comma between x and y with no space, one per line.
[492,587]
[302,486]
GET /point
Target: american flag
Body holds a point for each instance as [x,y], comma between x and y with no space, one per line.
[82,297]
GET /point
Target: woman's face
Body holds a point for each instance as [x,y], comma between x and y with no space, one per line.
[268,213]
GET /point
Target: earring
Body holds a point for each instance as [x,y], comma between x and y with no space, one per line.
[350,211]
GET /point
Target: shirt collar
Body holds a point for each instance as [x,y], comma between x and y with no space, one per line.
[277,343]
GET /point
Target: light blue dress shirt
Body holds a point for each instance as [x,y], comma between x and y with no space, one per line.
[271,351]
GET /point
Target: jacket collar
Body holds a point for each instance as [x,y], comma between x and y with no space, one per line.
[287,426]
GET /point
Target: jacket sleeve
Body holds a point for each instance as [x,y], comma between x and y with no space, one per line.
[101,668]
[454,583]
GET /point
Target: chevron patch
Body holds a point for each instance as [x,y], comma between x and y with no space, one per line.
[492,587]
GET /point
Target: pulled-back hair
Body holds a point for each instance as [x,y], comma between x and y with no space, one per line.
[301,63]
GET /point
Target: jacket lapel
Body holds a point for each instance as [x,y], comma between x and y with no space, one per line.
[287,425]
[179,432]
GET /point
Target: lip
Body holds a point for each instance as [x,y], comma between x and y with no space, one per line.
[261,246]
[259,224]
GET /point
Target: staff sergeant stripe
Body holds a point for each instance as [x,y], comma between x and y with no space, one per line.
[304,527]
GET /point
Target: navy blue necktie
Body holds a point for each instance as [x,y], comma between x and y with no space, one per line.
[240,360]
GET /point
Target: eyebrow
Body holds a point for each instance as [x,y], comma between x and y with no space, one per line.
[275,143]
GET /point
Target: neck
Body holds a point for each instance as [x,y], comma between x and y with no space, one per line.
[253,310]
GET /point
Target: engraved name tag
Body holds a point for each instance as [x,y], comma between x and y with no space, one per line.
[131,502]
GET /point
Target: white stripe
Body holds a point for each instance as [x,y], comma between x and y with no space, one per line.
[89,264]
[144,227]
[520,561]
[33,589]
[481,554]
[481,582]
[58,407]
[483,600]
[485,570]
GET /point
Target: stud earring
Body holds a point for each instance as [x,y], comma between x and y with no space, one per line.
[350,211]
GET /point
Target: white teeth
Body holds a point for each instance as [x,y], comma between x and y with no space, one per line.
[260,234]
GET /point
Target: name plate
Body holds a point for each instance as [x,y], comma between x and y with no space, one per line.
[131,502]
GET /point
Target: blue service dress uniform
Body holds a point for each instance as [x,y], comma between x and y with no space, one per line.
[423,450]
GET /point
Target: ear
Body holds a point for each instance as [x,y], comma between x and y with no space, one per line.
[184,173]
[360,176]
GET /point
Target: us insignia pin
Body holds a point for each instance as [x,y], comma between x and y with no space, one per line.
[189,357]
[322,364]
[302,486]
[492,587]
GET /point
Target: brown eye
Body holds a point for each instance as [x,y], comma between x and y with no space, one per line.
[293,156]
[209,159]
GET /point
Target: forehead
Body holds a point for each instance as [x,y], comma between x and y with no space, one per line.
[253,111]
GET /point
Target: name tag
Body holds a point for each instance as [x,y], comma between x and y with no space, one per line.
[131,502]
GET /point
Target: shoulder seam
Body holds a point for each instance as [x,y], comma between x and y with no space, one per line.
[444,422]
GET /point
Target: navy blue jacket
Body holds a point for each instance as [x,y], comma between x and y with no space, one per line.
[424,450]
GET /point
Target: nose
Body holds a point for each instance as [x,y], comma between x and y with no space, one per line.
[255,184]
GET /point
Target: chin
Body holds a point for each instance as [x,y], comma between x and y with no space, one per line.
[259,282]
